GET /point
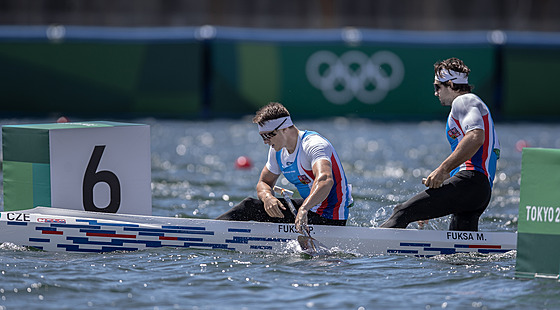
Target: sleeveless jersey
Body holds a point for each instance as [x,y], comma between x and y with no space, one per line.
[299,172]
[468,112]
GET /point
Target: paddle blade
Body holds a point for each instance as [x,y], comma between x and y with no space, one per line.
[312,247]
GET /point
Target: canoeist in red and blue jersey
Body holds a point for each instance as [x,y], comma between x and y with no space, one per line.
[462,184]
[468,113]
[309,162]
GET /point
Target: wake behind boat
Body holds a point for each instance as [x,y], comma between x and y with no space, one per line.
[53,229]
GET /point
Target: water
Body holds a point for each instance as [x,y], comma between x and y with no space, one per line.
[193,175]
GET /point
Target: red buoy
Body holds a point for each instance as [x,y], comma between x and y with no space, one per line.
[243,162]
[520,145]
[63,119]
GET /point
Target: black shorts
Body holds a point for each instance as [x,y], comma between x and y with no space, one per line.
[252,209]
[465,195]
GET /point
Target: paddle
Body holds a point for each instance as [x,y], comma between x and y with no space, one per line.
[308,244]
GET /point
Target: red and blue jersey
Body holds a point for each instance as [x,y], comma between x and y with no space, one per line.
[468,112]
[297,169]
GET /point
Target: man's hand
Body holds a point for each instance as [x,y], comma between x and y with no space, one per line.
[266,182]
[272,206]
[301,221]
[465,150]
[436,178]
[422,223]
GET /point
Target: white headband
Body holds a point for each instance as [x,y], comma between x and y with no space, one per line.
[274,124]
[450,75]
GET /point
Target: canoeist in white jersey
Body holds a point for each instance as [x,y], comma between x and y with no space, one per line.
[462,184]
[309,162]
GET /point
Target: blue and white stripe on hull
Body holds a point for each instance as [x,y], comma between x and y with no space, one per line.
[53,229]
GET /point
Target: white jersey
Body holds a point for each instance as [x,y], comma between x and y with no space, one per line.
[468,112]
[314,148]
[298,169]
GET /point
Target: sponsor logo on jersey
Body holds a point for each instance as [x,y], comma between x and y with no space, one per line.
[304,179]
[453,133]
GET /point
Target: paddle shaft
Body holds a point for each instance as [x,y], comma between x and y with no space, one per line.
[307,243]
[287,194]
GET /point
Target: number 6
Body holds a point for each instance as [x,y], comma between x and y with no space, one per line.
[92,177]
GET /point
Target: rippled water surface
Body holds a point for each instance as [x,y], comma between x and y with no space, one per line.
[194,175]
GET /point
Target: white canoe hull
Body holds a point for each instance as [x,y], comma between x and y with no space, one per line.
[53,229]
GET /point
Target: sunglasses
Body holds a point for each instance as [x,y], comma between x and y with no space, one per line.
[269,135]
[438,86]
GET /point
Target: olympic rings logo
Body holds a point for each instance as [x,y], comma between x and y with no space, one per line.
[355,75]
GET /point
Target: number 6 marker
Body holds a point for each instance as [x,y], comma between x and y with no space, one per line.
[62,165]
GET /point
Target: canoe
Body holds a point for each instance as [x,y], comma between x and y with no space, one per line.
[53,229]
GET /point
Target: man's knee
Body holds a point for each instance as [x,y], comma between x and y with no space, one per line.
[397,219]
[398,209]
[246,210]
